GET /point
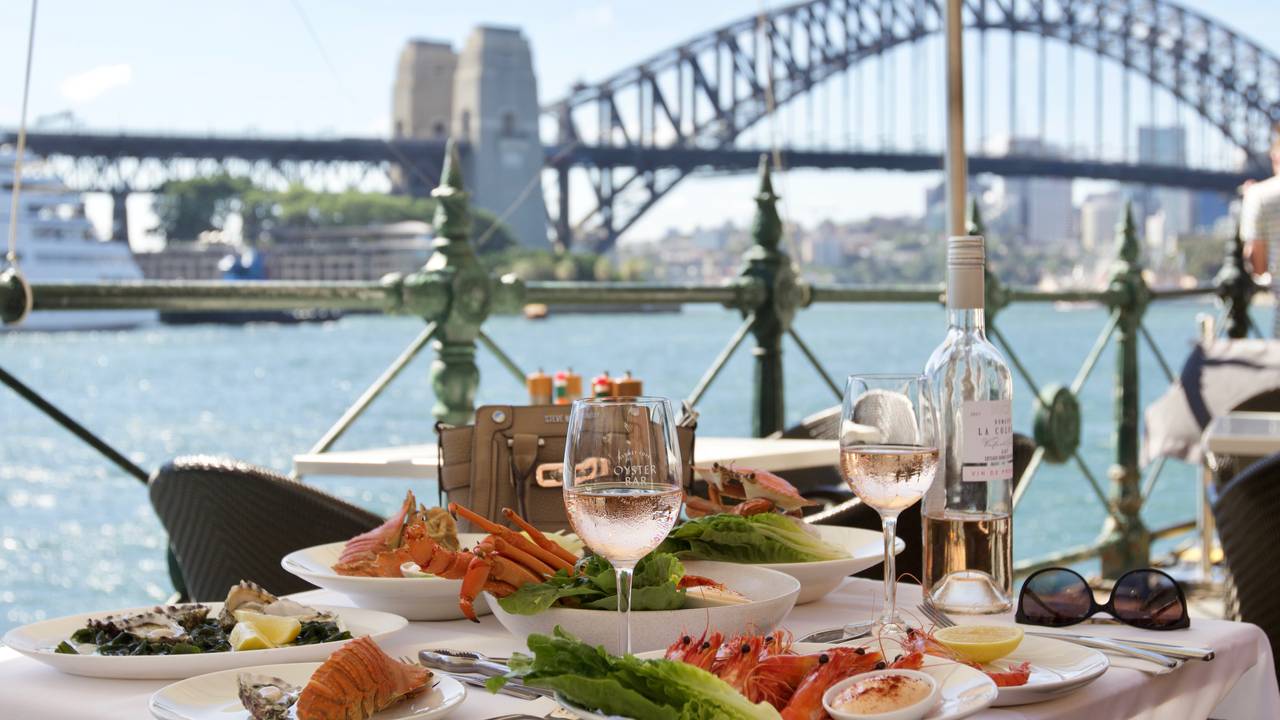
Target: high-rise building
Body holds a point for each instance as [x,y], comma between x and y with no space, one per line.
[1166,146]
[1099,215]
[1033,210]
[495,110]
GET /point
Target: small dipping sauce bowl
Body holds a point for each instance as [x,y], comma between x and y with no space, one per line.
[882,695]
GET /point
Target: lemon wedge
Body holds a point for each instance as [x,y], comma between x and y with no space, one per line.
[275,629]
[244,636]
[980,643]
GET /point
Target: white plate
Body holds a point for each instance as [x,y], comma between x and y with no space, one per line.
[866,549]
[1057,668]
[216,696]
[964,690]
[38,640]
[772,596]
[430,598]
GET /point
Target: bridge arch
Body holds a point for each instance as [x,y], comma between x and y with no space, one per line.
[704,93]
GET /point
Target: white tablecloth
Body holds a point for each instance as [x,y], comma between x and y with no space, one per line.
[1239,683]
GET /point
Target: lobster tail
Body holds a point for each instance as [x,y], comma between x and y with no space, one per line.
[358,680]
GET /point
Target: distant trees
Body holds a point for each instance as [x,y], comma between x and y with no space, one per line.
[543,265]
[187,208]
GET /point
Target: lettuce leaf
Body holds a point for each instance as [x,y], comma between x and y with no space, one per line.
[628,686]
[655,586]
[763,538]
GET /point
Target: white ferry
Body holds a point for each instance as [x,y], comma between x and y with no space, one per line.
[56,243]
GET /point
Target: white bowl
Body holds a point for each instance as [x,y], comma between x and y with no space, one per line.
[37,641]
[817,579]
[429,598]
[915,711]
[772,596]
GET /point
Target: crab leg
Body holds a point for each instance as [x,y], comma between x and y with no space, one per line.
[542,540]
[513,537]
[476,579]
[506,549]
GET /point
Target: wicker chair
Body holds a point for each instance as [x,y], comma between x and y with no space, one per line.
[1247,512]
[228,520]
[825,485]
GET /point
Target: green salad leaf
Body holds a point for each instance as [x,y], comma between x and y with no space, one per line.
[763,538]
[655,586]
[628,686]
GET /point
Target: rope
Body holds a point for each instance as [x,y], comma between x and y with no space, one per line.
[12,255]
[337,77]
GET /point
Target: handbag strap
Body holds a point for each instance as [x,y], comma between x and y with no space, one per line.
[524,458]
[440,428]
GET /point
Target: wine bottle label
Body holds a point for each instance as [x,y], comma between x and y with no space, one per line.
[987,450]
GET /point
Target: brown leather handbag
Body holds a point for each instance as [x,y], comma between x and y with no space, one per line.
[513,457]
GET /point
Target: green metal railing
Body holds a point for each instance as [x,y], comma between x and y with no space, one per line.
[455,296]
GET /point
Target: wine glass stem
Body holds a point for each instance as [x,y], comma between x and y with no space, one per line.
[888,614]
[623,575]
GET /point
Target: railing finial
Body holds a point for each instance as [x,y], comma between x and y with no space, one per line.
[453,216]
[1127,236]
[767,227]
[1235,287]
[975,225]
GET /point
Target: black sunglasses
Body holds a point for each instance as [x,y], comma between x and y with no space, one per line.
[1147,599]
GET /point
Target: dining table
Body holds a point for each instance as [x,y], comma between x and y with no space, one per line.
[1239,683]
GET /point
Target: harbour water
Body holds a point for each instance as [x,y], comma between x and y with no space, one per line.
[79,535]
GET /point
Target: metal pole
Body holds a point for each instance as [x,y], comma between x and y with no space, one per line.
[957,170]
[369,395]
[70,424]
[784,294]
[1126,540]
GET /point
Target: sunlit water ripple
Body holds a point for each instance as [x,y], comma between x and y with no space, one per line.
[79,535]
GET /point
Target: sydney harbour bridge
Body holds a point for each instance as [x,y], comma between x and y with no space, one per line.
[847,78]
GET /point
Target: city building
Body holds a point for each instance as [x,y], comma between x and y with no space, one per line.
[1031,210]
[1165,146]
[1100,213]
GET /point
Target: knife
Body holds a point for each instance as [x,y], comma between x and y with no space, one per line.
[1113,646]
[1182,652]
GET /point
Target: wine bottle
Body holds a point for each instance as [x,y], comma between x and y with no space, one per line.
[968,537]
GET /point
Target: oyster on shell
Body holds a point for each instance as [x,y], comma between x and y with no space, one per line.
[171,621]
[250,596]
[266,697]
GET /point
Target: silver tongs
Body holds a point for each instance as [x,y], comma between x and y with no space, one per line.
[473,663]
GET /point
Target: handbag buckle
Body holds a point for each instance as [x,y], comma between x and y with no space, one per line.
[550,475]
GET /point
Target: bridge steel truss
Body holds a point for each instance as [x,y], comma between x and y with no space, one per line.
[138,163]
[703,94]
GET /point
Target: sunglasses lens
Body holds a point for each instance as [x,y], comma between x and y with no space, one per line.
[1149,600]
[1055,598]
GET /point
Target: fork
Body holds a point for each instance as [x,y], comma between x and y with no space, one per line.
[943,620]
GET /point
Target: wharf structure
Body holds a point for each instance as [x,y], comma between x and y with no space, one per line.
[363,253]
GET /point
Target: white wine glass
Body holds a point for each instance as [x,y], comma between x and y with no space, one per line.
[888,456]
[622,484]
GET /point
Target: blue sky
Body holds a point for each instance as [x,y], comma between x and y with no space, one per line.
[236,66]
